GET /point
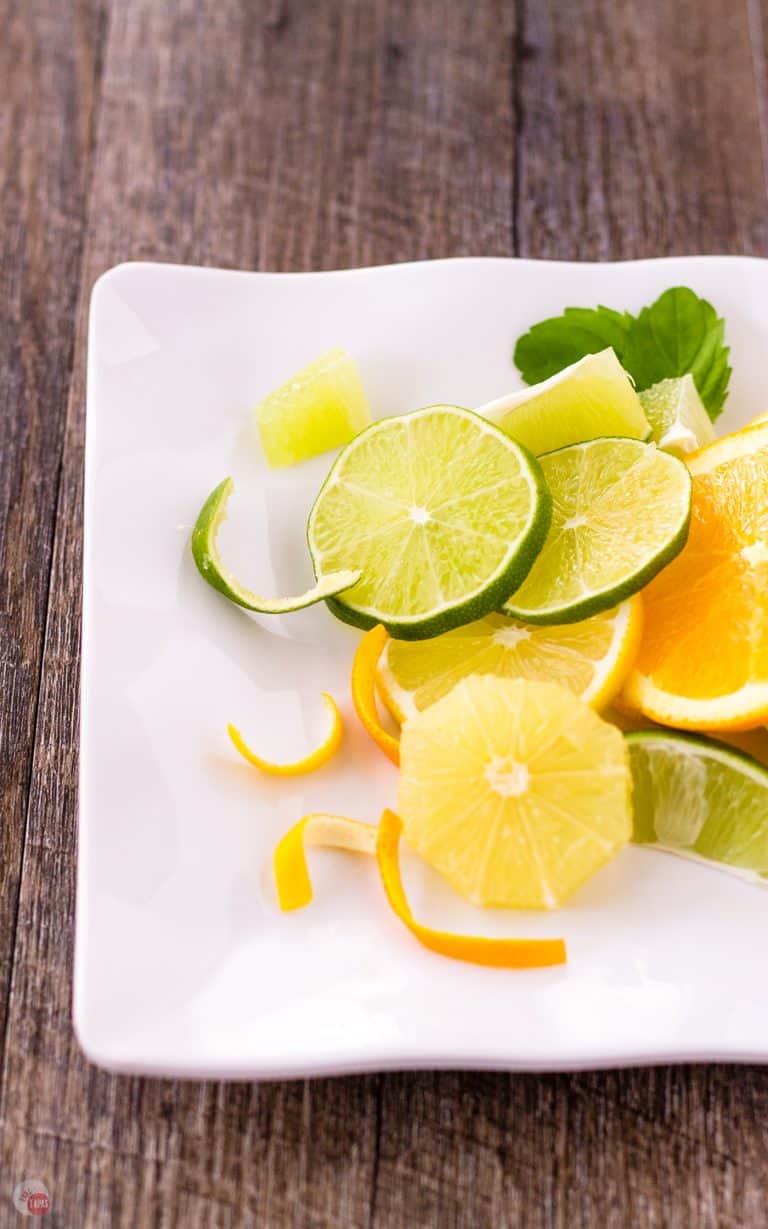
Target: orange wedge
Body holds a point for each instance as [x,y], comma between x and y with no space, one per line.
[703,661]
[364,667]
[308,763]
[294,890]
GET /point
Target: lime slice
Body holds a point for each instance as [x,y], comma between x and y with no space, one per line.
[592,397]
[591,658]
[442,513]
[701,800]
[323,406]
[620,512]
[515,791]
[212,568]
[679,421]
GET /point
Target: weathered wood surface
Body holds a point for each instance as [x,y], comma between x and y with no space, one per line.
[283,135]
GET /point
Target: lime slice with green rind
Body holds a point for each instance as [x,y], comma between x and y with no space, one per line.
[679,421]
[620,512]
[699,799]
[593,397]
[212,568]
[442,513]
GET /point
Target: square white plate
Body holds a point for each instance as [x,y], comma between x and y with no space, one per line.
[184,964]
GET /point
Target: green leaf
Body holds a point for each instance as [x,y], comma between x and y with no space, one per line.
[553,344]
[678,333]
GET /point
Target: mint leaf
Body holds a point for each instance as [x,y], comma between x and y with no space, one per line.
[553,344]
[679,333]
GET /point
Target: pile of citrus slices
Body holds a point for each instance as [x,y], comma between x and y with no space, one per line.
[534,577]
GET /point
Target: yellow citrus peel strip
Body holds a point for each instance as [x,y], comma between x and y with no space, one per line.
[294,890]
[308,763]
[294,886]
[364,666]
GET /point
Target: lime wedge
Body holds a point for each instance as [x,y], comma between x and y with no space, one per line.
[211,567]
[323,406]
[441,512]
[701,800]
[592,397]
[679,421]
[620,512]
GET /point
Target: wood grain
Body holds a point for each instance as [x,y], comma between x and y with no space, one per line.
[50,71]
[639,131]
[288,135]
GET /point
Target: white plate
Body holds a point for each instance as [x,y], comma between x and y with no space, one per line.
[184,964]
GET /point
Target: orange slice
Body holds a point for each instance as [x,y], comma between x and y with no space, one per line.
[703,661]
[364,667]
[308,763]
[294,890]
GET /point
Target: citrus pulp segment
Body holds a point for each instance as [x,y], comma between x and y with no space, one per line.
[212,568]
[679,420]
[620,513]
[591,658]
[700,799]
[442,513]
[515,791]
[703,660]
[592,397]
[323,406]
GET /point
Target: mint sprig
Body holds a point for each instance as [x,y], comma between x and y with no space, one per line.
[678,333]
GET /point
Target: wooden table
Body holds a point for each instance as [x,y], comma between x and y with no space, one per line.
[314,134]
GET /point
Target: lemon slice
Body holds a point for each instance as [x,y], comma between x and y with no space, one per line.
[515,791]
[323,406]
[308,763]
[294,890]
[592,397]
[591,658]
[212,568]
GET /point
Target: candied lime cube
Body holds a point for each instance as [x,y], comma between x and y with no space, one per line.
[323,406]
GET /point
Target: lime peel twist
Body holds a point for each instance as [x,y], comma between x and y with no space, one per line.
[213,569]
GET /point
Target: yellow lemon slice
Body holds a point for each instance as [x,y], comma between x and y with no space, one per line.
[591,658]
[515,791]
